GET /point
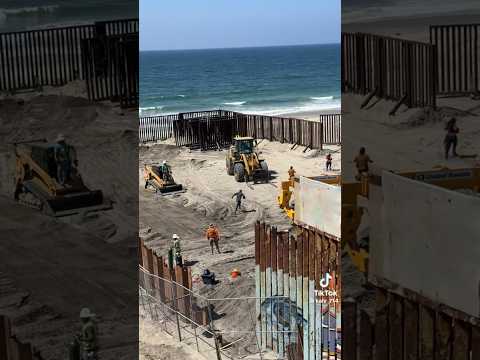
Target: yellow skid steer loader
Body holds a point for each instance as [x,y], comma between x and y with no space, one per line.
[37,185]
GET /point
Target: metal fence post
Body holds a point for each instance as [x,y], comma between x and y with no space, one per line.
[212,329]
[174,298]
[321,136]
[196,337]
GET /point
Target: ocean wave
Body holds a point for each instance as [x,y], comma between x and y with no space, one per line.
[151,110]
[62,24]
[306,107]
[28,10]
[322,98]
[181,95]
[272,107]
[235,103]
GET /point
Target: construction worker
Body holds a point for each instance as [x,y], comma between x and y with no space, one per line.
[177,250]
[213,235]
[88,336]
[361,161]
[164,170]
[64,156]
[146,175]
[239,196]
[328,164]
[208,277]
[451,137]
[291,173]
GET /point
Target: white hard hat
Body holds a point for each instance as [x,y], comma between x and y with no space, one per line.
[164,162]
[85,313]
[59,138]
[175,236]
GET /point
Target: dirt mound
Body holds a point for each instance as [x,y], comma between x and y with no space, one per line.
[427,116]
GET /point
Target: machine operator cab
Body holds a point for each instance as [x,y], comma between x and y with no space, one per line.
[244,145]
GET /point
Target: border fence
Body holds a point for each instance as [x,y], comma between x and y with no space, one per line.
[298,288]
[166,296]
[410,72]
[205,130]
[406,327]
[30,59]
[168,283]
[457,56]
[332,128]
[216,129]
[11,348]
[390,68]
[111,68]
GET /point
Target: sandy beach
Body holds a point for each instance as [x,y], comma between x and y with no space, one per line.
[310,115]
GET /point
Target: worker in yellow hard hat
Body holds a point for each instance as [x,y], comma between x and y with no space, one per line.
[291,173]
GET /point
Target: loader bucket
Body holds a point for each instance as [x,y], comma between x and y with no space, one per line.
[261,175]
[76,203]
[70,203]
[171,188]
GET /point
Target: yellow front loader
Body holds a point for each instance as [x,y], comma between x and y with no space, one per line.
[244,163]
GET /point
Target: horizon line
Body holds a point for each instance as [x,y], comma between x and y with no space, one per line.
[242,47]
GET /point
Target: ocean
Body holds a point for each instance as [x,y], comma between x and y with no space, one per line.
[370,10]
[20,15]
[265,81]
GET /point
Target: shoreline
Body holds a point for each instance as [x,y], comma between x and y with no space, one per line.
[409,27]
[312,115]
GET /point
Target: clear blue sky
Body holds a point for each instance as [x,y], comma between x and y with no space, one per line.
[201,24]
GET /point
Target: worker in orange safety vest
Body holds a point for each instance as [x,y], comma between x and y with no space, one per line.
[213,235]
